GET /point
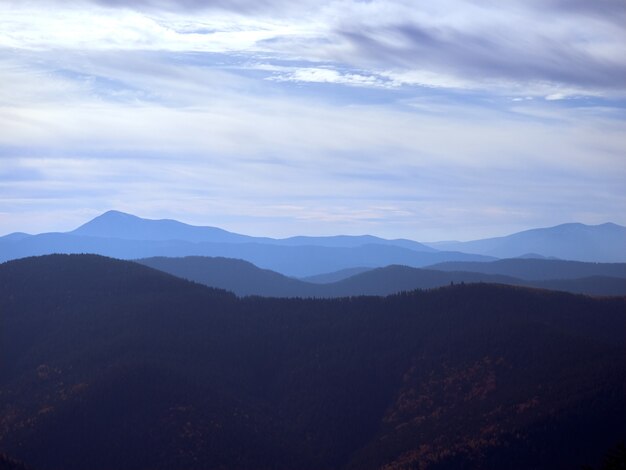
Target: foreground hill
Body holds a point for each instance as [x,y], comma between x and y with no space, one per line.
[600,243]
[110,364]
[7,463]
[244,278]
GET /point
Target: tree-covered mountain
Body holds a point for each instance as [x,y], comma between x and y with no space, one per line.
[580,242]
[111,364]
[394,279]
[244,278]
[7,463]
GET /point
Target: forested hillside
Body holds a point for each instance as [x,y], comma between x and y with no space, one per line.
[110,364]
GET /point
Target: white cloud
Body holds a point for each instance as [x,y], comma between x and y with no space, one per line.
[556,96]
[328,75]
[195,116]
[450,44]
[228,150]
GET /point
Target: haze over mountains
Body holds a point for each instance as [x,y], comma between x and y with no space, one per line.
[603,243]
[307,352]
[458,317]
[115,224]
[538,269]
[129,237]
[243,278]
[116,365]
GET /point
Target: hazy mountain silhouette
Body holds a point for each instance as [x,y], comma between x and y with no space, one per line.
[15,236]
[110,364]
[538,269]
[394,279]
[115,224]
[335,276]
[237,276]
[352,241]
[594,285]
[119,225]
[125,236]
[604,243]
[243,278]
[290,260]
[535,256]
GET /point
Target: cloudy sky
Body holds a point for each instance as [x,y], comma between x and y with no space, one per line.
[426,120]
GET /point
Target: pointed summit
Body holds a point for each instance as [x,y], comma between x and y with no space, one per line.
[113,214]
[120,225]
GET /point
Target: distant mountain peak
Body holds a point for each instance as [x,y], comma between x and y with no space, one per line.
[116,213]
[574,241]
[108,217]
[121,225]
[577,225]
[16,236]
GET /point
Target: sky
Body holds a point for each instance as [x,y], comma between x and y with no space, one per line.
[415,119]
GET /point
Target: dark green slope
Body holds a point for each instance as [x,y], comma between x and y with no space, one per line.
[109,364]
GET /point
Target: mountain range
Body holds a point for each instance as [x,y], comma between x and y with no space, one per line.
[111,364]
[538,269]
[126,236]
[244,278]
[600,243]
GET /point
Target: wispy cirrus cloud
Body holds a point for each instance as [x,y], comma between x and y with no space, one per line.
[455,119]
[568,46]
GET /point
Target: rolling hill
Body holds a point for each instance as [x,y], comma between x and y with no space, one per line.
[238,276]
[538,269]
[334,276]
[116,365]
[244,278]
